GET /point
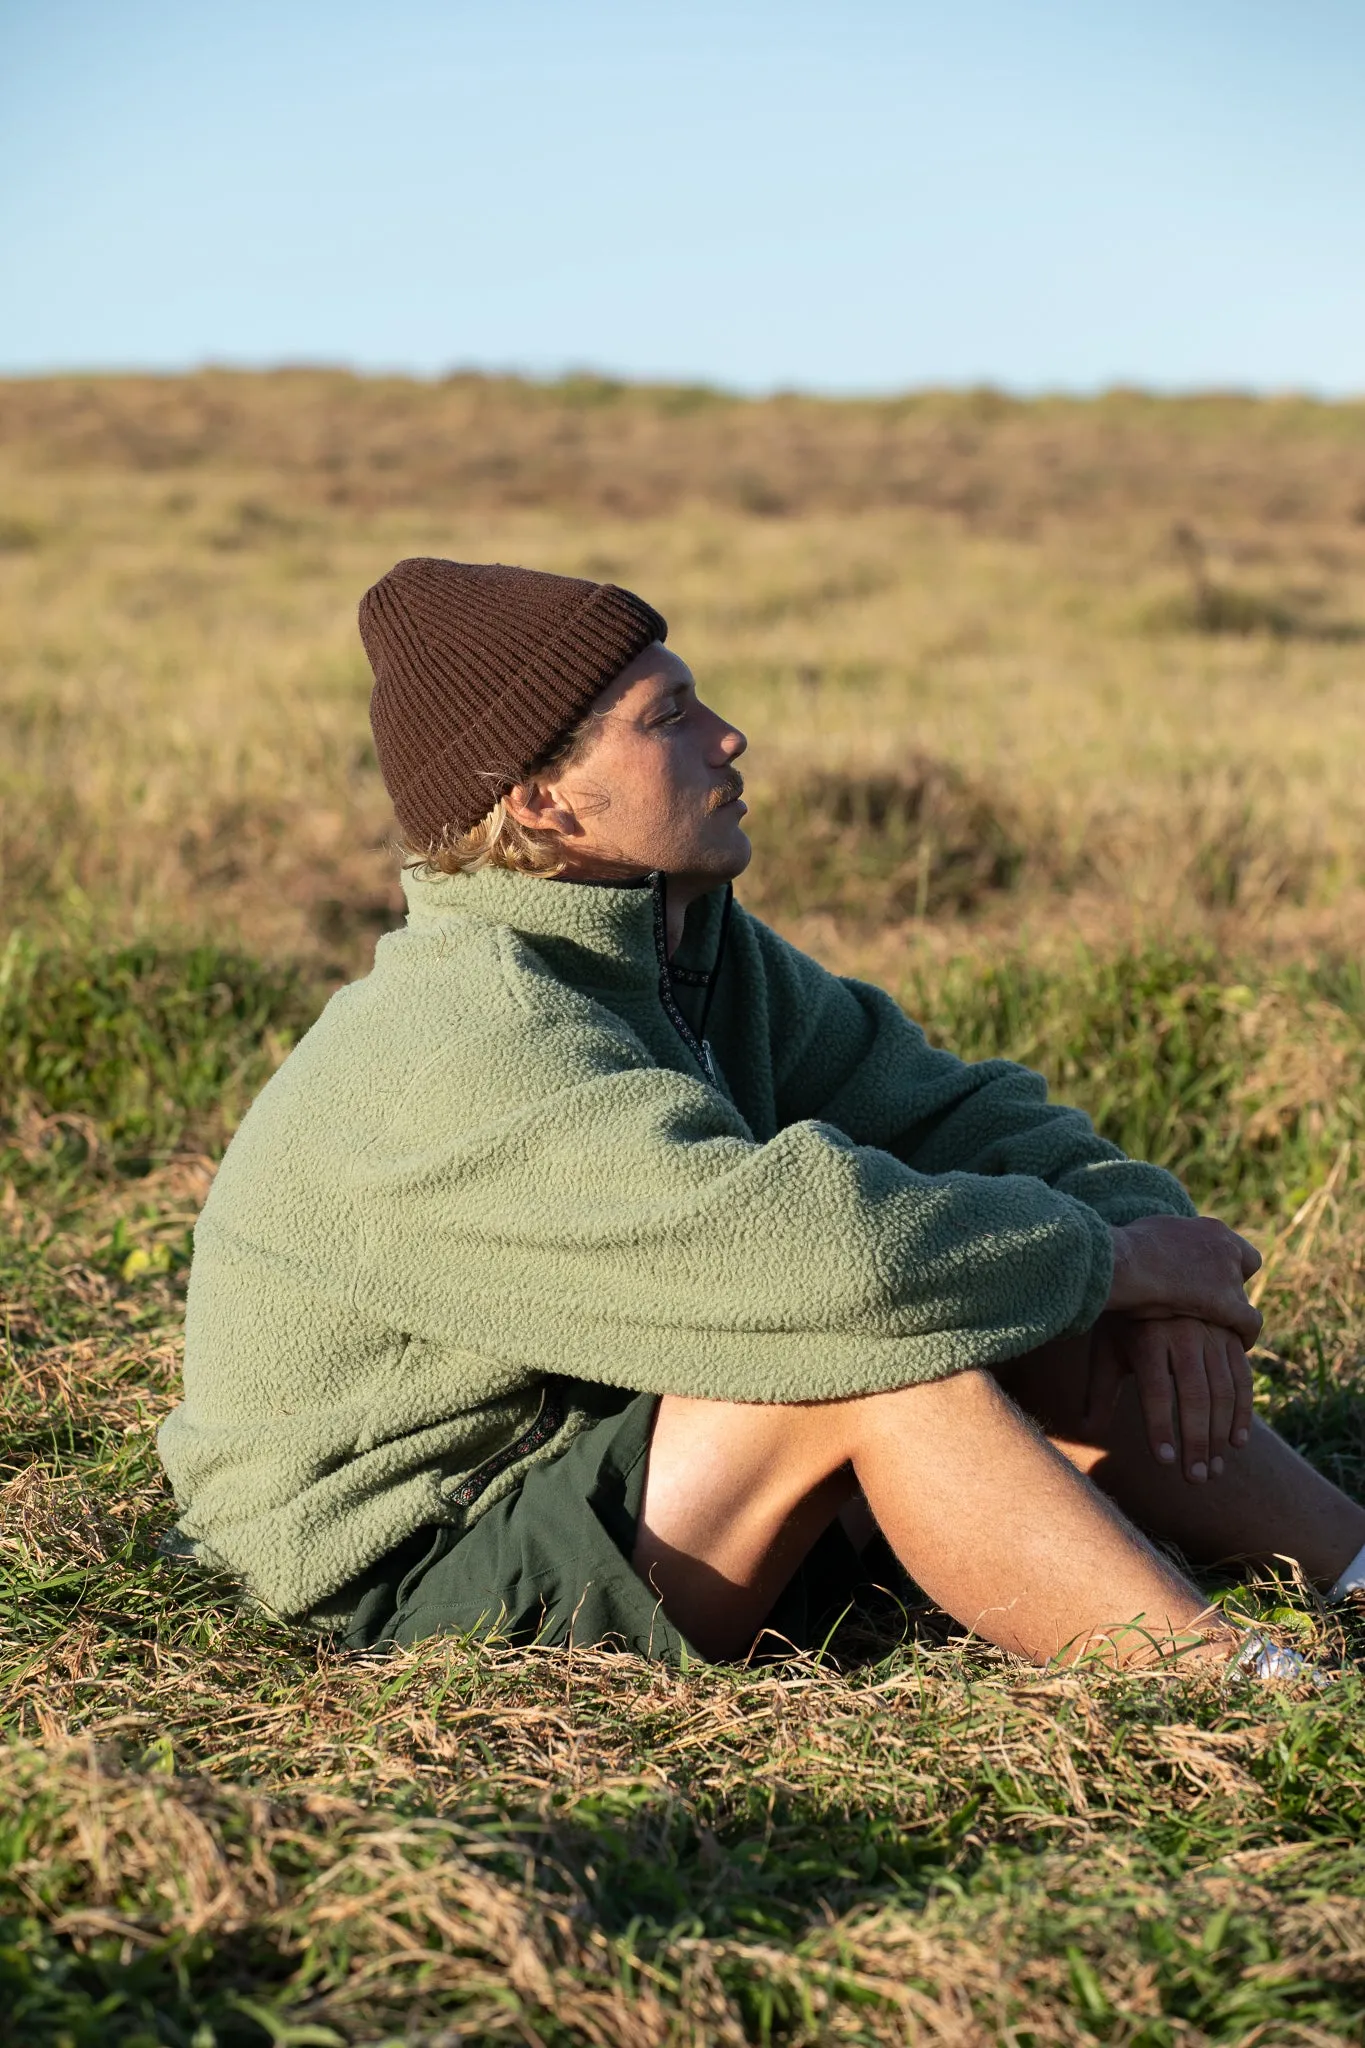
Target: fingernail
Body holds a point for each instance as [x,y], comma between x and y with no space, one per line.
[1216,1467]
[1199,1471]
[1239,1437]
[1166,1453]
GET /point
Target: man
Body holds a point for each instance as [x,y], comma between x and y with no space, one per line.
[600,1267]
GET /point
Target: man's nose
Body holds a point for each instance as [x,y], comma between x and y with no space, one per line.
[732,743]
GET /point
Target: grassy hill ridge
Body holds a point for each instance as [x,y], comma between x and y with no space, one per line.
[590,442]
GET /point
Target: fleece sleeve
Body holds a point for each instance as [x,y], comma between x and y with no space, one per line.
[845,1053]
[615,1219]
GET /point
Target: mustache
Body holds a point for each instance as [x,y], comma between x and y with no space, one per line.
[725,792]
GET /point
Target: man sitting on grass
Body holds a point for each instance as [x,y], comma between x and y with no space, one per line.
[600,1268]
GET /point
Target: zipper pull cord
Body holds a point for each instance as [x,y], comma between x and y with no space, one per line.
[700,1051]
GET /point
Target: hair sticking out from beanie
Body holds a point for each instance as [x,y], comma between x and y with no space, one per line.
[499,840]
[479,672]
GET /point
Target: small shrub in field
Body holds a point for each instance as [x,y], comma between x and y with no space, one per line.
[1235,863]
[874,849]
[150,1048]
[18,534]
[1216,608]
[1212,605]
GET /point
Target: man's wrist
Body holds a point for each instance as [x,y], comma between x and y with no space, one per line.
[1118,1284]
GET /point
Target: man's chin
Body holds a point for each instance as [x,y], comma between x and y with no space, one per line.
[732,856]
[743,854]
[711,866]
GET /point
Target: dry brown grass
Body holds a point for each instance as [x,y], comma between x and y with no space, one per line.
[436,1928]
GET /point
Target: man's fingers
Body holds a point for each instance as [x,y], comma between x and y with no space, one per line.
[1190,1373]
[1149,1355]
[1194,1388]
[1228,1310]
[1222,1397]
[1239,1365]
[1104,1378]
[1243,1320]
[1247,1252]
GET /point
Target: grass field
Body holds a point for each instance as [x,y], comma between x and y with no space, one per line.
[1056,716]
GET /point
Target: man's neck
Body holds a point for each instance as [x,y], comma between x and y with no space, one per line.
[679,896]
[680,893]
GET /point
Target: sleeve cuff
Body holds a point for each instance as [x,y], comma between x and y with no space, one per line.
[1100,1277]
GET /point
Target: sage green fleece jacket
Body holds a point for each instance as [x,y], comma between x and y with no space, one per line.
[503,1160]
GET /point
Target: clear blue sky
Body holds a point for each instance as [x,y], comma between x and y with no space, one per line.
[861,194]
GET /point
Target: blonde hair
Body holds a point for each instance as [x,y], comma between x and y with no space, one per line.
[501,841]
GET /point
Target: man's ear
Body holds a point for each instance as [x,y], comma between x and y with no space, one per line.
[540,807]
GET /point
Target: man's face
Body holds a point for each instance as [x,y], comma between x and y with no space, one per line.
[656,787]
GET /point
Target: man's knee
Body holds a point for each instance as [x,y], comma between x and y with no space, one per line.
[958,1400]
[809,1441]
[744,1442]
[966,1389]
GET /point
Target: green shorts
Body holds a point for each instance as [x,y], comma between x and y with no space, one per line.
[550,1563]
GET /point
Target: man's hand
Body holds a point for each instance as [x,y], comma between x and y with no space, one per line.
[1169,1266]
[1178,1364]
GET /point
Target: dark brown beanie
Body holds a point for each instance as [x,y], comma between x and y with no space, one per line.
[478,670]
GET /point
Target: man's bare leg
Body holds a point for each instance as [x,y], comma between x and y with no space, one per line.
[995,1525]
[1268,1503]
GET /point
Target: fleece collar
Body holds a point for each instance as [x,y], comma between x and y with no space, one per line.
[598,934]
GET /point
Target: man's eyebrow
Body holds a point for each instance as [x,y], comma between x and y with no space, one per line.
[674,690]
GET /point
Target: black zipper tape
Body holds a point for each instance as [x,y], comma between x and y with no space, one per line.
[695,1043]
[548,1420]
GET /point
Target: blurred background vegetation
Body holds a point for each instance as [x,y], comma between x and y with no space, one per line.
[1034,670]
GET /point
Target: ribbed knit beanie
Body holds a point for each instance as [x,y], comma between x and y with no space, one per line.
[478,670]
